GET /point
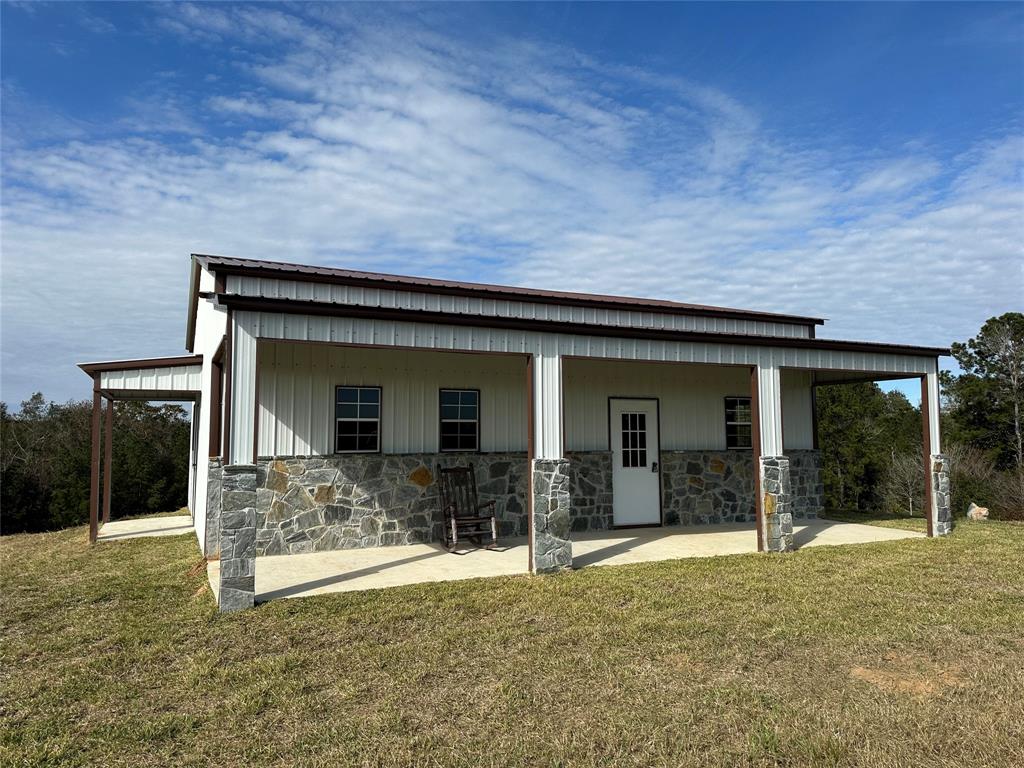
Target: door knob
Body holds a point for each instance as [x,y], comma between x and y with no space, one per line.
[654,466]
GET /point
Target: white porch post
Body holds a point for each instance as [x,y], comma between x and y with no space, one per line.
[936,463]
[550,547]
[774,491]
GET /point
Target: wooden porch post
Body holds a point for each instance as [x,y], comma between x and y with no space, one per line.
[94,484]
[108,455]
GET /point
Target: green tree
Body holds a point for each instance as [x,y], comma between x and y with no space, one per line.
[45,462]
[861,429]
[986,401]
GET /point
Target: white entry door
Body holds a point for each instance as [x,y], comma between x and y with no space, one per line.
[636,495]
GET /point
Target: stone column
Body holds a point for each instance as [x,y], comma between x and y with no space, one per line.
[942,516]
[238,538]
[776,500]
[211,544]
[552,549]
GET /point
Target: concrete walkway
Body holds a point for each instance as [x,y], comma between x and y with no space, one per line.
[358,569]
[116,530]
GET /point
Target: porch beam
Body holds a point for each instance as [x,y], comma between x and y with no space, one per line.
[94,481]
[108,459]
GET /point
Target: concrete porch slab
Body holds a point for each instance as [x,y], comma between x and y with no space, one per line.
[359,569]
[174,525]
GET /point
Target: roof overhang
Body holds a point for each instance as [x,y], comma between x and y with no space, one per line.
[151,378]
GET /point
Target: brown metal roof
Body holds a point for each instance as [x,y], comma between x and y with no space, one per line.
[285,270]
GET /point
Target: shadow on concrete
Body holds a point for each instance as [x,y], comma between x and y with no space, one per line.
[598,555]
[263,597]
[149,532]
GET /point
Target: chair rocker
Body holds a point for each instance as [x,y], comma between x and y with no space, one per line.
[464,516]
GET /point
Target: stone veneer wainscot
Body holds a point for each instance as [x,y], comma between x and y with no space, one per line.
[317,503]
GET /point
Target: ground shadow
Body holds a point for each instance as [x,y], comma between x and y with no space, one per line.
[340,577]
[179,529]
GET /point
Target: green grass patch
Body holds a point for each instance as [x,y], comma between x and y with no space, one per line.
[903,653]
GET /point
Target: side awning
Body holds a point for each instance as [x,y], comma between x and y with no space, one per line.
[156,378]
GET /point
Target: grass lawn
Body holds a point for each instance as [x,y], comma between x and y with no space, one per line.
[904,653]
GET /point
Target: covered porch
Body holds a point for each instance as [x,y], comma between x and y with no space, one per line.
[164,379]
[320,573]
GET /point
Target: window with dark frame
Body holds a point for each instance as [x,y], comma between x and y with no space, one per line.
[460,420]
[738,432]
[634,439]
[357,420]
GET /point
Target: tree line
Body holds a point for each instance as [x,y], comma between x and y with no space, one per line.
[45,462]
[871,440]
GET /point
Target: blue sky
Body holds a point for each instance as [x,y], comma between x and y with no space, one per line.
[861,162]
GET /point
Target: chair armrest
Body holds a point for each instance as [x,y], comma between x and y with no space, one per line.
[485,505]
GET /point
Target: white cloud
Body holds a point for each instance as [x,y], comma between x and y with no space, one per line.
[388,146]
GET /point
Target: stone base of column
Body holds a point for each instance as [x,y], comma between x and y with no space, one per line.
[237,538]
[942,522]
[552,549]
[211,544]
[777,504]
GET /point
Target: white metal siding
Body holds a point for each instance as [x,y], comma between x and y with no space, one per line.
[692,399]
[298,290]
[297,382]
[243,391]
[797,410]
[250,325]
[297,386]
[211,323]
[449,337]
[181,378]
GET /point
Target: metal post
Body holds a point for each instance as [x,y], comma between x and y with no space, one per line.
[108,460]
[94,484]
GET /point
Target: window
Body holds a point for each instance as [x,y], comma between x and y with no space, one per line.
[460,420]
[634,439]
[357,420]
[737,423]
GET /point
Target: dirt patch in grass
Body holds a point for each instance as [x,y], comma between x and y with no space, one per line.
[902,674]
[902,653]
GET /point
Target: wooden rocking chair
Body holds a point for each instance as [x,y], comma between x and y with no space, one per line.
[464,516]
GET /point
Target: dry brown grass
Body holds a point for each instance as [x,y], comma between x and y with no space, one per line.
[904,653]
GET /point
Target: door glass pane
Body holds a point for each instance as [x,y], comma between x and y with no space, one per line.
[634,440]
